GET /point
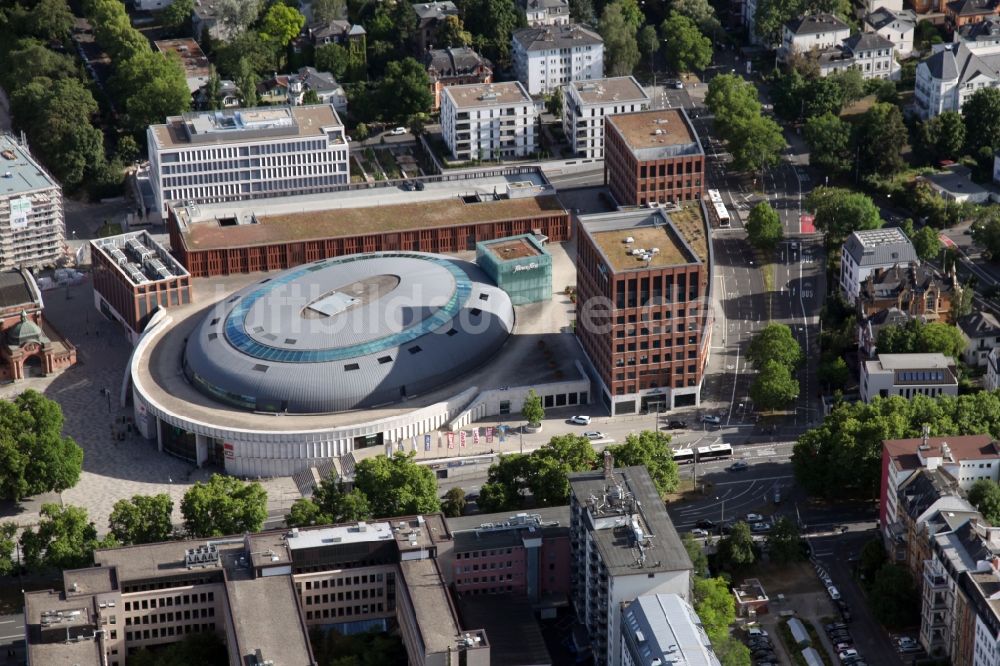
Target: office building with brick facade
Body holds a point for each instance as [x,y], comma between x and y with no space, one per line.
[643,281]
[653,157]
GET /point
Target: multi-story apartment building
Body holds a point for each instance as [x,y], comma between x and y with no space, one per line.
[234,155]
[586,103]
[133,277]
[623,546]
[812,32]
[455,66]
[952,74]
[31,210]
[489,121]
[966,459]
[980,37]
[545,12]
[261,593]
[524,555]
[550,56]
[870,250]
[916,290]
[908,375]
[871,54]
[896,26]
[643,280]
[982,334]
[653,156]
[664,629]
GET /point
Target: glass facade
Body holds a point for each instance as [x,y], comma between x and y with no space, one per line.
[519,265]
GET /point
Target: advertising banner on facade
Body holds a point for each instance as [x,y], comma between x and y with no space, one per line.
[20,209]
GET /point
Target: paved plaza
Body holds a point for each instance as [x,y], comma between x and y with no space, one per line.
[112,469]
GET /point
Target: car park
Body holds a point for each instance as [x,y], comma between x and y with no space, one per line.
[580,420]
[677,425]
[594,434]
[754,518]
[757,632]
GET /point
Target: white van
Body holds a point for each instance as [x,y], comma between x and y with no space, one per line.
[833,592]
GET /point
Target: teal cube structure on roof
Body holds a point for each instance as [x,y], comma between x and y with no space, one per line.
[520,265]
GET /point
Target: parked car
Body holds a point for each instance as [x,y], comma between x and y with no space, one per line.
[398,131]
[419,184]
[843,646]
[739,466]
[834,626]
[759,527]
[846,655]
[711,418]
[677,425]
[406,185]
[754,518]
[757,632]
[833,592]
[580,420]
[348,138]
[699,533]
[594,434]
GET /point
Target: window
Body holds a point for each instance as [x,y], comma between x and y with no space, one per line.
[351,367]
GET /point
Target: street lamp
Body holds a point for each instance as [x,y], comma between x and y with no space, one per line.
[722,517]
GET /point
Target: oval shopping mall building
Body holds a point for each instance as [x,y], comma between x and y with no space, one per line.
[323,359]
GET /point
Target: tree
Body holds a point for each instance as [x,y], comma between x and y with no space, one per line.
[833,372]
[397,486]
[840,212]
[621,51]
[247,81]
[894,599]
[452,32]
[224,505]
[260,56]
[531,409]
[774,386]
[697,555]
[29,58]
[851,83]
[786,92]
[714,604]
[771,15]
[56,115]
[981,113]
[699,11]
[916,337]
[927,243]
[50,20]
[736,550]
[755,143]
[985,496]
[237,15]
[153,87]
[332,58]
[454,502]
[649,44]
[784,543]
[554,103]
[871,559]
[281,24]
[829,140]
[65,539]
[575,451]
[881,137]
[35,457]
[943,136]
[8,546]
[582,11]
[330,503]
[177,13]
[142,519]
[491,23]
[688,50]
[764,230]
[651,449]
[820,96]
[405,89]
[774,342]
[731,98]
[325,11]
[731,652]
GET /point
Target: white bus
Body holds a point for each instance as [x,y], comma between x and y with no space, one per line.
[714,196]
[722,215]
[714,452]
[683,456]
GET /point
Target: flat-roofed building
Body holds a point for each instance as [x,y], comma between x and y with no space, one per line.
[653,157]
[197,67]
[624,546]
[586,103]
[643,281]
[134,276]
[869,250]
[31,210]
[240,154]
[446,216]
[549,56]
[261,594]
[908,375]
[489,121]
[520,265]
[662,629]
[455,66]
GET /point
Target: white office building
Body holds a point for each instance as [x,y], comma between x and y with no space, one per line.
[664,629]
[234,155]
[488,121]
[952,74]
[908,375]
[32,229]
[623,545]
[869,250]
[586,103]
[547,57]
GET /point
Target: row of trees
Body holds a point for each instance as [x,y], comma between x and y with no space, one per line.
[754,140]
[841,457]
[916,337]
[776,355]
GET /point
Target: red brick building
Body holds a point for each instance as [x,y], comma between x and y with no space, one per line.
[653,156]
[447,216]
[643,313]
[133,277]
[455,66]
[31,347]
